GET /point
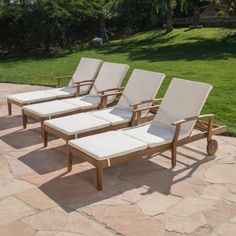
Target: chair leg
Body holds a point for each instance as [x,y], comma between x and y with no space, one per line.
[99,171]
[173,156]
[69,158]
[45,138]
[24,120]
[42,128]
[9,107]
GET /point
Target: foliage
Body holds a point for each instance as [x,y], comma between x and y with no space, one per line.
[206,55]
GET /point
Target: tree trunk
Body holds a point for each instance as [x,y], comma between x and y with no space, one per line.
[169,20]
[103,30]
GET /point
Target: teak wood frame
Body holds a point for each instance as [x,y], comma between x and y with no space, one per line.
[206,130]
[58,82]
[103,103]
[135,120]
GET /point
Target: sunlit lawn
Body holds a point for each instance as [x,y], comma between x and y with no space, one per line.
[206,55]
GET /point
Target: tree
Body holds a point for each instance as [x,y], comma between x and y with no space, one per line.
[105,9]
[166,8]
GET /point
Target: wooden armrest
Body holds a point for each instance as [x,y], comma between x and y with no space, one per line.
[178,124]
[84,81]
[192,119]
[59,78]
[82,84]
[146,108]
[112,89]
[110,94]
[141,103]
[137,114]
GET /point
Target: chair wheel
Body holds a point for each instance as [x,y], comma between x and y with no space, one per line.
[212,147]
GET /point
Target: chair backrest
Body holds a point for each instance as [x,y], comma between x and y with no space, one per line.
[142,85]
[183,99]
[110,76]
[87,69]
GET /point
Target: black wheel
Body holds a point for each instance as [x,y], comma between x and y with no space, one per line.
[212,147]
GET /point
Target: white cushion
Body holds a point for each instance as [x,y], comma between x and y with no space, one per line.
[151,134]
[107,145]
[110,76]
[63,92]
[86,70]
[78,123]
[84,101]
[142,85]
[31,97]
[115,115]
[183,99]
[48,109]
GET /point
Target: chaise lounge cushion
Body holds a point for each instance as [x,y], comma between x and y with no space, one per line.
[32,97]
[116,115]
[153,134]
[85,101]
[51,108]
[107,145]
[63,92]
[78,123]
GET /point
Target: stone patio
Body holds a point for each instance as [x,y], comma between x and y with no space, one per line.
[143,197]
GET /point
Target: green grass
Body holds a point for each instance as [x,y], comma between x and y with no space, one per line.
[206,55]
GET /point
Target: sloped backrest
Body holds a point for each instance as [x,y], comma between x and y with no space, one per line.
[142,85]
[183,99]
[87,69]
[110,76]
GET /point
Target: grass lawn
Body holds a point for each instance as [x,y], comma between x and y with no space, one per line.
[206,55]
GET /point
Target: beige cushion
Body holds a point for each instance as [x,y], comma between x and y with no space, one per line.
[63,92]
[84,101]
[87,70]
[52,108]
[183,99]
[78,123]
[31,97]
[152,134]
[142,85]
[115,115]
[107,145]
[110,76]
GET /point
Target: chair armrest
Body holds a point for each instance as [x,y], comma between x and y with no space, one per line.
[178,124]
[137,114]
[84,81]
[59,78]
[104,98]
[112,89]
[82,84]
[188,119]
[110,94]
[78,85]
[141,103]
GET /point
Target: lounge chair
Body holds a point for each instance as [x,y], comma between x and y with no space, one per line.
[140,91]
[173,125]
[108,80]
[86,71]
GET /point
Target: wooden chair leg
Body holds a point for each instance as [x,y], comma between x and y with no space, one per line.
[45,138]
[24,120]
[69,158]
[42,128]
[173,156]
[9,107]
[99,171]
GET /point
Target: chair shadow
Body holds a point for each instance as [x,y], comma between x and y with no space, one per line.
[23,138]
[73,191]
[9,122]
